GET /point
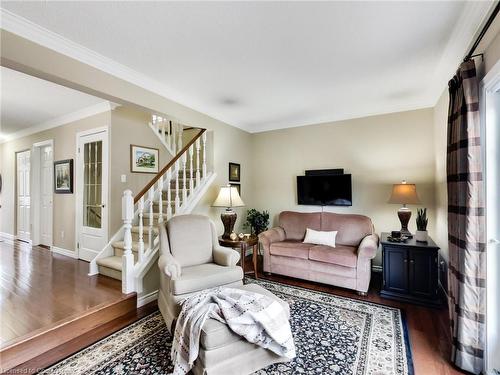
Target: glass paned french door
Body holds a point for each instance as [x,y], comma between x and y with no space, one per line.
[92,194]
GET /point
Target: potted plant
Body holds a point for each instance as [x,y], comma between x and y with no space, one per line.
[421,233]
[257,221]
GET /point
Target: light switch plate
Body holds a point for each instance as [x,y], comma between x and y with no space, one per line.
[123,178]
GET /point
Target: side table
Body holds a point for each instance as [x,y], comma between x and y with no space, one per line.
[410,271]
[243,245]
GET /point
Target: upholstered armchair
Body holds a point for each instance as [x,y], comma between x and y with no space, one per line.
[192,260]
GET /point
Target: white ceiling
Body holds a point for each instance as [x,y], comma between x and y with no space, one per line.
[27,102]
[269,65]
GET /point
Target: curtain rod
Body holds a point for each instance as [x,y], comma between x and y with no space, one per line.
[483,31]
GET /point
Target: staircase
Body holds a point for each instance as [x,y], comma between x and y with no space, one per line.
[175,190]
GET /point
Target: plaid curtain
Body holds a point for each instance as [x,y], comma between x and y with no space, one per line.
[466,222]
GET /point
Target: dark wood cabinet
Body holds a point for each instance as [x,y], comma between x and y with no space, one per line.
[410,271]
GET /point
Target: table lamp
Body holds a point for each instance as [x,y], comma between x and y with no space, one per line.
[228,197]
[404,194]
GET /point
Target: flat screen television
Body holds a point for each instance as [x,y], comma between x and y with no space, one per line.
[331,190]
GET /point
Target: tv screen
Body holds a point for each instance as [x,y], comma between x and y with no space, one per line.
[332,190]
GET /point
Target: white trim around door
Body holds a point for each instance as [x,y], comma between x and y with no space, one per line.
[490,116]
[92,190]
[42,192]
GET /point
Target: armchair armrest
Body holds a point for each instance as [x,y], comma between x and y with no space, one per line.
[224,256]
[271,235]
[368,246]
[167,262]
[169,266]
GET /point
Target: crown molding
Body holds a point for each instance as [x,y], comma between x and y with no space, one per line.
[462,37]
[24,28]
[466,27]
[62,120]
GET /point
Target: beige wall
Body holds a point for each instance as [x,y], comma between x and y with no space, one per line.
[231,144]
[129,126]
[440,112]
[378,151]
[63,204]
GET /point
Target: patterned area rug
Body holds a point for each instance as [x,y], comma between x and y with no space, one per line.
[333,335]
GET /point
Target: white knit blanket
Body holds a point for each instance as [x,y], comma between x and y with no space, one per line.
[259,319]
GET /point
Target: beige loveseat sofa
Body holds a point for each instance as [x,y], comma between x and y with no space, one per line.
[347,265]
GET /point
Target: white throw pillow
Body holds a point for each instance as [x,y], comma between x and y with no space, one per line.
[320,238]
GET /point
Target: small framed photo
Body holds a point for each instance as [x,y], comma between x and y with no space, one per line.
[144,159]
[63,176]
[234,172]
[238,187]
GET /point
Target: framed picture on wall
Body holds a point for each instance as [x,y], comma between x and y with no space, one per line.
[238,187]
[63,176]
[234,172]
[144,159]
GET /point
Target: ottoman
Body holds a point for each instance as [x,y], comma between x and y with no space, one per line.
[222,352]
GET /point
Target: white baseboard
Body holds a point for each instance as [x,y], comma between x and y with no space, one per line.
[7,237]
[145,299]
[66,252]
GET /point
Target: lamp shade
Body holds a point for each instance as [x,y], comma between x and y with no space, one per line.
[228,197]
[404,194]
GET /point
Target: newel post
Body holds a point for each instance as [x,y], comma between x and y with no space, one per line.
[128,257]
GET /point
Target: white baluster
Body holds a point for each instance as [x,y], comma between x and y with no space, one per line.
[174,138]
[160,201]
[155,123]
[191,181]
[177,200]
[184,180]
[198,178]
[168,140]
[141,230]
[179,140]
[163,129]
[151,196]
[127,258]
[169,194]
[204,159]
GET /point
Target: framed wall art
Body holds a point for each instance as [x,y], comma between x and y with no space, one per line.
[63,176]
[144,159]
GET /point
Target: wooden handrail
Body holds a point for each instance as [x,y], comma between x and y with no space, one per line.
[166,168]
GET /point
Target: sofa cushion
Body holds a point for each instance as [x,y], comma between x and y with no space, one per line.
[351,228]
[215,334]
[204,276]
[296,223]
[293,249]
[341,255]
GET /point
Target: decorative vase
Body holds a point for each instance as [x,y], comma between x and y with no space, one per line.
[233,236]
[421,236]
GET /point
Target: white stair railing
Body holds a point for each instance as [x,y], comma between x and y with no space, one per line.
[134,209]
[169,133]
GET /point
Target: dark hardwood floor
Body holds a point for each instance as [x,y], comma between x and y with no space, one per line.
[48,299]
[428,328]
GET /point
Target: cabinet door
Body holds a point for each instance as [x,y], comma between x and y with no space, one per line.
[395,269]
[423,273]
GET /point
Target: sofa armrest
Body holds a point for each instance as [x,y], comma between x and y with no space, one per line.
[169,266]
[271,235]
[224,256]
[368,246]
